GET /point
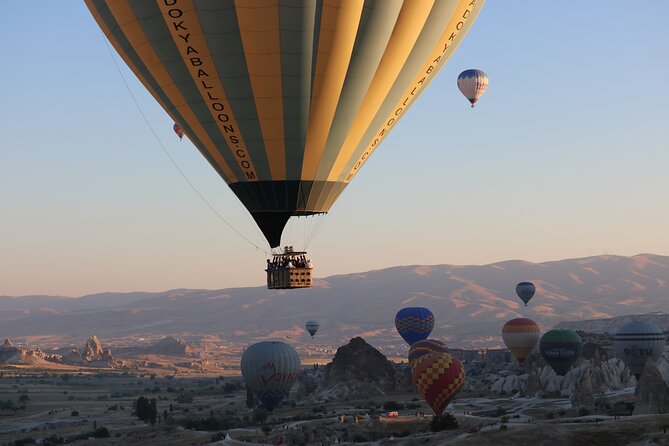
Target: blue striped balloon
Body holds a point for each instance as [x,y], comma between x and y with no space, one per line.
[414,323]
[637,342]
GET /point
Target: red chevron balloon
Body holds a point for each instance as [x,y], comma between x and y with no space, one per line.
[438,377]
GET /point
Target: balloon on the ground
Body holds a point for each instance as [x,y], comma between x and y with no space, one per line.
[270,369]
[560,349]
[286,99]
[414,324]
[520,336]
[424,347]
[637,342]
[312,327]
[473,83]
[525,290]
[438,377]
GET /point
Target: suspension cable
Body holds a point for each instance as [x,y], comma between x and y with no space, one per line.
[176,166]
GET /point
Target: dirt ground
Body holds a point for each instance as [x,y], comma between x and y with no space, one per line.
[70,406]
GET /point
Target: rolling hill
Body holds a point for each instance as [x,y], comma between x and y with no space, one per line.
[470,303]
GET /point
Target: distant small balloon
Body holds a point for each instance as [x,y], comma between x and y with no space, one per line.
[424,347]
[414,324]
[312,327]
[636,343]
[473,83]
[178,130]
[525,290]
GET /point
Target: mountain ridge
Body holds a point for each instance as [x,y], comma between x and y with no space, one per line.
[470,302]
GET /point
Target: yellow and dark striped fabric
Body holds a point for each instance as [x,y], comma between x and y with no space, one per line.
[286,99]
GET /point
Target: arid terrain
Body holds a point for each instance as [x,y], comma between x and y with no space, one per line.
[71,407]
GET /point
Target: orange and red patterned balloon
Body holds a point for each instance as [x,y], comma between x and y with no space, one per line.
[424,347]
[520,336]
[438,377]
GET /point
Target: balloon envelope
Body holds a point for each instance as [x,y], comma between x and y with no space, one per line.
[438,377]
[525,290]
[270,369]
[473,83]
[414,323]
[312,327]
[560,349]
[424,347]
[637,342]
[178,130]
[520,335]
[286,99]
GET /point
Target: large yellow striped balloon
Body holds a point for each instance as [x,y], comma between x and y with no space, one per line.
[286,99]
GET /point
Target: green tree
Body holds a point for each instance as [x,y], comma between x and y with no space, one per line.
[444,422]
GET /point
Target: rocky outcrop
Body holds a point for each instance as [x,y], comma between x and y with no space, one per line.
[8,352]
[590,377]
[107,355]
[170,346]
[93,350]
[359,361]
[72,357]
[652,393]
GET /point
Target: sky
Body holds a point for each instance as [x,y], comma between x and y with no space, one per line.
[566,156]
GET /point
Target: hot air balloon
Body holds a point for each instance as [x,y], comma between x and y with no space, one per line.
[520,335]
[178,130]
[525,290]
[286,99]
[560,349]
[414,323]
[270,369]
[473,83]
[312,327]
[438,377]
[424,347]
[636,343]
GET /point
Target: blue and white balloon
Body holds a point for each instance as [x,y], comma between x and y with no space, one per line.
[473,83]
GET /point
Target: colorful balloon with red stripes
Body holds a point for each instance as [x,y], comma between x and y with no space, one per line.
[520,336]
[438,377]
[424,347]
[414,324]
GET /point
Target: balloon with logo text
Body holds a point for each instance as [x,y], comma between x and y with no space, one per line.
[560,349]
[638,342]
[286,100]
[270,369]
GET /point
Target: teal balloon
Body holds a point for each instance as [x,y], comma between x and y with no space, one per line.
[560,349]
[270,369]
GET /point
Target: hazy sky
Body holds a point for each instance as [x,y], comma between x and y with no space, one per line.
[566,156]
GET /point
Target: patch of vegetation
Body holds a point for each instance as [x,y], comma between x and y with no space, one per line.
[392,406]
[444,422]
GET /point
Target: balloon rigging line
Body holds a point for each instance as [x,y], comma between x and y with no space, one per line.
[315,231]
[174,163]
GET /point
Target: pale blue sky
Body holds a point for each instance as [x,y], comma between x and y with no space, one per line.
[565,156]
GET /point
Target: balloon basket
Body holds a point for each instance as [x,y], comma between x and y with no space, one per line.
[289,269]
